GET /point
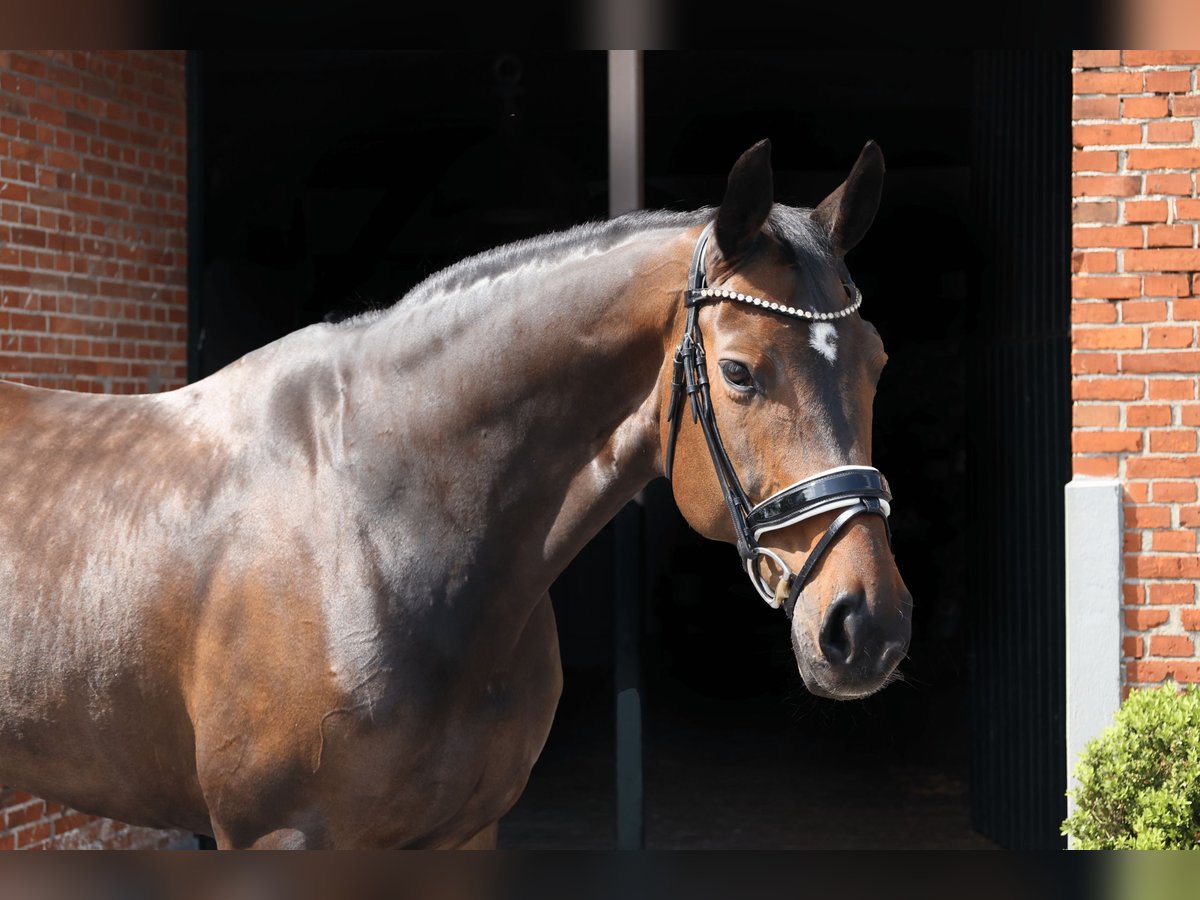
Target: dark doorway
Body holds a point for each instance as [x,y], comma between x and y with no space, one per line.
[1019,443]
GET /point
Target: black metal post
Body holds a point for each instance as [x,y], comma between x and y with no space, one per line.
[628,550]
[625,187]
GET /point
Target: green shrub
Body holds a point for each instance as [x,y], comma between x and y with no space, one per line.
[1139,781]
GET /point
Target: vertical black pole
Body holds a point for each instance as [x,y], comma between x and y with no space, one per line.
[628,546]
[625,195]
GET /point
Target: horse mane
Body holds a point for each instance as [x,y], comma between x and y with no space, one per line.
[790,225]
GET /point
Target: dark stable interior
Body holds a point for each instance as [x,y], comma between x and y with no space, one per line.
[335,180]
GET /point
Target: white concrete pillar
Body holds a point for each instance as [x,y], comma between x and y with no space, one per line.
[1093,626]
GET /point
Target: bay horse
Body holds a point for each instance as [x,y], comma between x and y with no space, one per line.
[303,602]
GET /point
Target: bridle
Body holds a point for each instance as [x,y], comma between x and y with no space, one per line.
[852,489]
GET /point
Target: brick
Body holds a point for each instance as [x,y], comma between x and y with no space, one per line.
[1144,311]
[1106,441]
[1168,82]
[1146,671]
[1185,310]
[1108,389]
[1106,185]
[1171,389]
[1134,594]
[1155,671]
[1163,158]
[1146,210]
[1095,59]
[1102,236]
[1085,211]
[1144,107]
[1099,415]
[1187,209]
[1096,466]
[1094,161]
[1166,285]
[1141,415]
[33,834]
[1178,183]
[1171,645]
[1181,440]
[1173,541]
[1154,467]
[1165,361]
[1142,516]
[1093,312]
[1189,516]
[1189,414]
[1170,236]
[1095,107]
[1176,566]
[1171,336]
[1094,363]
[1106,82]
[1137,492]
[1114,336]
[1190,619]
[24,814]
[1101,288]
[1141,619]
[1131,647]
[1159,57]
[1162,260]
[1105,135]
[1166,132]
[1174,492]
[1097,262]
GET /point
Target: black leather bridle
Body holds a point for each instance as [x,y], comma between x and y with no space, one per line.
[852,489]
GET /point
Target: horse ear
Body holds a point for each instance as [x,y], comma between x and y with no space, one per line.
[848,212]
[747,202]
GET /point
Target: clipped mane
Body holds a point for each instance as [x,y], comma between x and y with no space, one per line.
[792,226]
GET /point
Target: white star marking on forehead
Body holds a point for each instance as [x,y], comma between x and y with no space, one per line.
[822,337]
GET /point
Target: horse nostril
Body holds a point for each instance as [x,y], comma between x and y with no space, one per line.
[840,628]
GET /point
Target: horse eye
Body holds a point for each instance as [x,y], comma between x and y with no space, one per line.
[737,374]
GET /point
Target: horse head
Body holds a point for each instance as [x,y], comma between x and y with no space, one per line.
[766,427]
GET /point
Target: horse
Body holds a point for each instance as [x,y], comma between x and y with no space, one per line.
[303,602]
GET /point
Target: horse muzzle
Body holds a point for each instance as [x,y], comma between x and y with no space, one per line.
[857,646]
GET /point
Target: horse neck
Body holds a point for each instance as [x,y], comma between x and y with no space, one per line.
[538,390]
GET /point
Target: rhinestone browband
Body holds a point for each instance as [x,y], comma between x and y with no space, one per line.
[724,294]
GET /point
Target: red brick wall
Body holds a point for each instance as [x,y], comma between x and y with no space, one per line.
[93,273]
[1135,312]
[93,203]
